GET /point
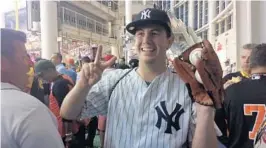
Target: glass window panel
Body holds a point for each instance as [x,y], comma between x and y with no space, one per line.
[223,26]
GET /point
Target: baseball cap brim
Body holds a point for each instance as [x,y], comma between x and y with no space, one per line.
[133,26]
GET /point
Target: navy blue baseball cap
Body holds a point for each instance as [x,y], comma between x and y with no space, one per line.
[150,16]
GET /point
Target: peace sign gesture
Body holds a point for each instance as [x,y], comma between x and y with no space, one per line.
[91,72]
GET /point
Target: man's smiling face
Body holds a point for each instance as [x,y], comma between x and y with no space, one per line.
[151,43]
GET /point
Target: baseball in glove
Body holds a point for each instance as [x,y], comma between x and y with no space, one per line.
[200,67]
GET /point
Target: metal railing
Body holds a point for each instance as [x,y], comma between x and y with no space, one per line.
[111,4]
[80,21]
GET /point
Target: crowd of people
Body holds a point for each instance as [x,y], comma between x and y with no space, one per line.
[145,104]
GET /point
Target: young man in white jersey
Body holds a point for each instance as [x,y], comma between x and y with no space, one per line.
[147,107]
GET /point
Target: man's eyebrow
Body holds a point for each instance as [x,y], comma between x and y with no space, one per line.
[139,29]
[152,29]
[157,29]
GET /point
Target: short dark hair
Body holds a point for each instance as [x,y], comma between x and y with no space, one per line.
[86,59]
[258,56]
[57,54]
[250,46]
[38,59]
[43,65]
[133,63]
[8,36]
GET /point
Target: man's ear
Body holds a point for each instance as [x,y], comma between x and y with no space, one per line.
[5,64]
[170,41]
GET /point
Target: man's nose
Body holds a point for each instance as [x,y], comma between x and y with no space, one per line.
[146,38]
[247,60]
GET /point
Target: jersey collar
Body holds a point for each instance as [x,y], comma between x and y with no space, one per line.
[8,86]
[244,74]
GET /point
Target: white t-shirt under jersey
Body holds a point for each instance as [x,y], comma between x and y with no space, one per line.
[26,122]
[139,115]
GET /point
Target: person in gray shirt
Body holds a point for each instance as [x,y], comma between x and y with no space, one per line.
[25,121]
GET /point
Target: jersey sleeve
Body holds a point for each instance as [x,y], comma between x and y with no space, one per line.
[192,124]
[228,102]
[234,115]
[220,121]
[98,97]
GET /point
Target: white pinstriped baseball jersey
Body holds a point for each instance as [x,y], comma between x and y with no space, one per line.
[139,115]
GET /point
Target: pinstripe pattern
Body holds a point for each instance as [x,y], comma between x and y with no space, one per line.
[131,110]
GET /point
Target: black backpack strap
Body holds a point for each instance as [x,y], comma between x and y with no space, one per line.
[112,89]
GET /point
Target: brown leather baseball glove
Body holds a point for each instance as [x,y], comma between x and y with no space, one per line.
[210,92]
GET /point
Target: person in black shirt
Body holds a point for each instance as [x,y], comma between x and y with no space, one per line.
[133,63]
[41,89]
[61,85]
[245,102]
[122,64]
[37,89]
[35,85]
[230,79]
[244,62]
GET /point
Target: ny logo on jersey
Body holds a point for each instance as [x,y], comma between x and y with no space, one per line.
[145,14]
[163,114]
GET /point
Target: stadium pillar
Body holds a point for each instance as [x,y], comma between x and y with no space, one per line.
[249,24]
[128,9]
[144,2]
[115,52]
[172,4]
[128,18]
[191,14]
[49,28]
[2,19]
[110,34]
[211,15]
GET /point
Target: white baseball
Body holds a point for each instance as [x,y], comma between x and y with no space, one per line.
[195,55]
[198,78]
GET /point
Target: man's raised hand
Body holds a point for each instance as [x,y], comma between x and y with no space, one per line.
[91,72]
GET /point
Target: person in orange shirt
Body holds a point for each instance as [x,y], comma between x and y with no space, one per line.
[60,86]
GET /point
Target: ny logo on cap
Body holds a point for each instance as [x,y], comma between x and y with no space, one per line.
[145,14]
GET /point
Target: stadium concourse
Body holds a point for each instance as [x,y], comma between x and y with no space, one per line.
[139,74]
